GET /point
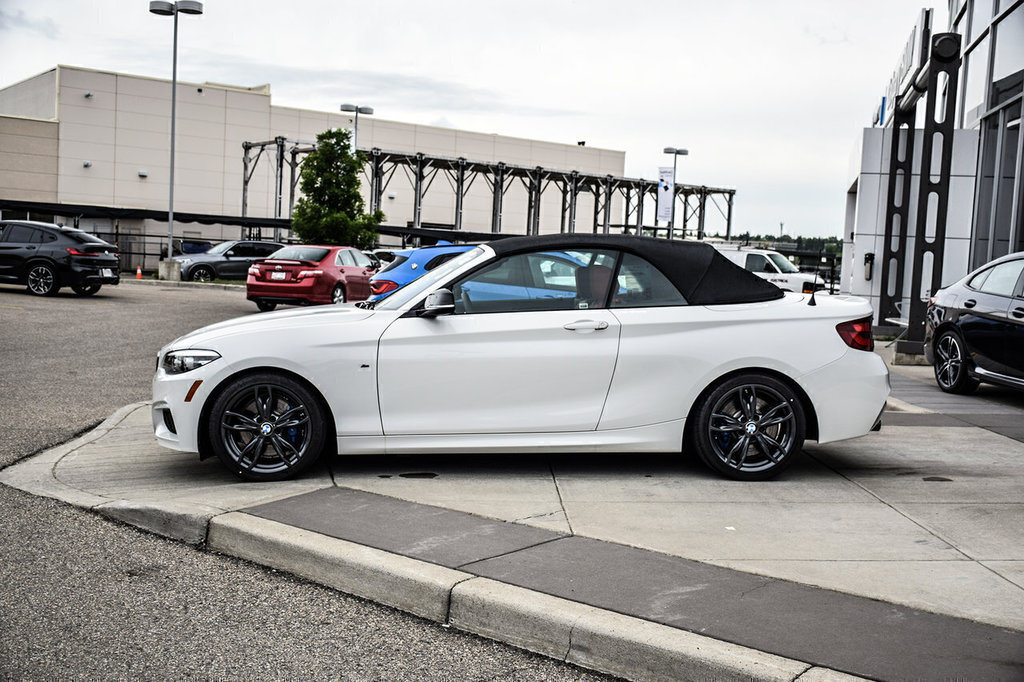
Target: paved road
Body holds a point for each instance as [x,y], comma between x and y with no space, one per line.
[83,597]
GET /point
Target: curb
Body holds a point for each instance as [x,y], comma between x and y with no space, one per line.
[184,285]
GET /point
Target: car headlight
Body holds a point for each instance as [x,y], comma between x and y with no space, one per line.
[181,361]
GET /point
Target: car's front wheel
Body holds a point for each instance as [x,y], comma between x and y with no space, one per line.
[202,273]
[42,279]
[750,427]
[85,289]
[951,372]
[267,427]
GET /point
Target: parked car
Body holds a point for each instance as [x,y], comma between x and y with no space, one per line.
[308,275]
[227,260]
[772,266]
[663,345]
[975,328]
[46,257]
[409,264]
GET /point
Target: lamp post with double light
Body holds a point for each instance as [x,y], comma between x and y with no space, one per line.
[368,111]
[172,9]
[676,153]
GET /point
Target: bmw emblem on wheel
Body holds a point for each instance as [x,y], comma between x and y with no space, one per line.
[751,428]
[266,428]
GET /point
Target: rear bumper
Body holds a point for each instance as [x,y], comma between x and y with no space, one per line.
[89,274]
[848,395]
[304,291]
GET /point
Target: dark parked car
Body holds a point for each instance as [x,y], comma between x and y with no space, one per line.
[46,257]
[975,328]
[229,260]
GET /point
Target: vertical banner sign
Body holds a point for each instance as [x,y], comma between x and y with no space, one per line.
[666,191]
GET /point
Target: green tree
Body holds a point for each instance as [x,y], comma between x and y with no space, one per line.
[331,210]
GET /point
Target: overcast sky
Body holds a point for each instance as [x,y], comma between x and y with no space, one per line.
[769,96]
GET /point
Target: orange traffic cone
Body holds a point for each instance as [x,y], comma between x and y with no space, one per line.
[138,272]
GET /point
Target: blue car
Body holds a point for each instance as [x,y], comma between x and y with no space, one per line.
[410,264]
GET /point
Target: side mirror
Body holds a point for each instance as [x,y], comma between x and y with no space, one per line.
[440,302]
[229,254]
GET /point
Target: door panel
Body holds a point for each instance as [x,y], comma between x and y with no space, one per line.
[539,371]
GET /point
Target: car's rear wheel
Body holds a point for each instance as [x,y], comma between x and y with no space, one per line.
[750,427]
[264,305]
[267,427]
[338,294]
[202,273]
[85,289]
[42,279]
[951,373]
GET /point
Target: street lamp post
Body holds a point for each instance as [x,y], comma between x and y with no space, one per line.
[172,9]
[676,153]
[355,126]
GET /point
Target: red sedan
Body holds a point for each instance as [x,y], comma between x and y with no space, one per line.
[309,275]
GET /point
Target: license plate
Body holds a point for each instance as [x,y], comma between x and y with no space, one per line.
[106,272]
[279,275]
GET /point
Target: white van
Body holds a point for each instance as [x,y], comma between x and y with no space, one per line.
[772,266]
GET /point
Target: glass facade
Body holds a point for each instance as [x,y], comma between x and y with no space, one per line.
[991,97]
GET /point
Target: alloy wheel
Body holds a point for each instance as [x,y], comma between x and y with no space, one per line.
[41,280]
[752,428]
[949,361]
[265,429]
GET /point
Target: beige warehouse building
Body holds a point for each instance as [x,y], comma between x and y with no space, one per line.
[93,147]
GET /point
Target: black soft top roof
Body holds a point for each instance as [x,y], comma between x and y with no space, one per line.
[702,275]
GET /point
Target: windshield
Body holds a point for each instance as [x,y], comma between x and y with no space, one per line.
[782,263]
[221,248]
[428,280]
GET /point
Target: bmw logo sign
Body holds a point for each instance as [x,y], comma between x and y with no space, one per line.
[751,428]
[266,428]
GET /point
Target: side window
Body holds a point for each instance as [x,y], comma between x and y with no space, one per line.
[346,259]
[1002,279]
[22,234]
[549,280]
[439,260]
[242,250]
[758,263]
[3,229]
[641,285]
[264,250]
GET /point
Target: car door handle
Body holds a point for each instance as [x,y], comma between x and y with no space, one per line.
[1018,312]
[586,325]
[970,303]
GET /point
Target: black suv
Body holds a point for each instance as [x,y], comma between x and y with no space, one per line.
[46,257]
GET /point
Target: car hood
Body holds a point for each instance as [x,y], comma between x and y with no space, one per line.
[292,322]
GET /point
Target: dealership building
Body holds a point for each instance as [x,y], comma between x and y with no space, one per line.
[937,183]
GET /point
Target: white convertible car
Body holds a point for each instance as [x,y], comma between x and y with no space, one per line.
[559,343]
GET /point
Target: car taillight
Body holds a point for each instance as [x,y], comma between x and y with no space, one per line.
[857,334]
[308,273]
[76,252]
[382,286]
[254,270]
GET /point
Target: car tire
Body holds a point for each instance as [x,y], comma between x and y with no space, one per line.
[85,289]
[264,305]
[951,369]
[202,273]
[42,279]
[267,427]
[338,294]
[750,427]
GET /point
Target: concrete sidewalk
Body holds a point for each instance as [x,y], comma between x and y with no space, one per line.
[898,555]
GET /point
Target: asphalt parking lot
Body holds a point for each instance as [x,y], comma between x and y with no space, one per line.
[924,517]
